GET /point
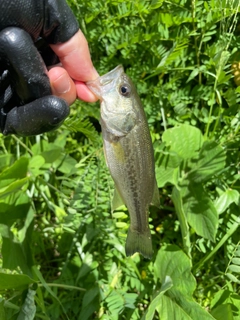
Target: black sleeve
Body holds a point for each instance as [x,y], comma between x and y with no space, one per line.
[59,23]
[52,20]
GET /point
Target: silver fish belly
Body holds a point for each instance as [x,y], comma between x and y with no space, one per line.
[129,154]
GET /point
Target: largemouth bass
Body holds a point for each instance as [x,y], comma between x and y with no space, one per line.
[129,154]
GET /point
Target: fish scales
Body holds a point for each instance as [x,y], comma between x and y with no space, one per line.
[129,153]
[134,176]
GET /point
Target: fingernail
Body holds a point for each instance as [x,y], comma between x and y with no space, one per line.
[62,84]
[95,72]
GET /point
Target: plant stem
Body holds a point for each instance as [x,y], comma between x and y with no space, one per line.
[229,233]
[64,286]
[22,144]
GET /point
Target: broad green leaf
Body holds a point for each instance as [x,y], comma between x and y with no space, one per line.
[2,311]
[210,161]
[17,171]
[35,163]
[167,168]
[180,307]
[185,140]
[229,298]
[220,297]
[169,309]
[173,262]
[66,165]
[166,285]
[9,213]
[222,312]
[4,231]
[52,154]
[28,220]
[21,255]
[90,300]
[13,187]
[61,139]
[28,309]
[5,160]
[200,210]
[88,265]
[226,199]
[181,214]
[177,302]
[14,281]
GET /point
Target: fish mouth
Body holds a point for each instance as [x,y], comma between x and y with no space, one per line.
[105,83]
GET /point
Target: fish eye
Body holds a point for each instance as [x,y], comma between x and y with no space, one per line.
[124,90]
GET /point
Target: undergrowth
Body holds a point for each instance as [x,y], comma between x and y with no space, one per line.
[62,251]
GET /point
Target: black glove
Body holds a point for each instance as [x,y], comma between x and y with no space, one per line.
[27,27]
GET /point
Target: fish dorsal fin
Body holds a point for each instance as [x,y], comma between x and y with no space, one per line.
[116,200]
[155,199]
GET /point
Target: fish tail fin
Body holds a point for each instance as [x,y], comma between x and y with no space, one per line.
[139,242]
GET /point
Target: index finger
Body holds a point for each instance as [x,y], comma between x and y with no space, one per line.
[76,60]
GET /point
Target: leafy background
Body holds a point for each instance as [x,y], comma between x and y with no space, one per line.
[62,252]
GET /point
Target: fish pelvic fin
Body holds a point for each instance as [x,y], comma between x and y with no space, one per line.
[155,199]
[139,242]
[116,200]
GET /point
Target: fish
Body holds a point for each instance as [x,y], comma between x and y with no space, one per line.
[129,154]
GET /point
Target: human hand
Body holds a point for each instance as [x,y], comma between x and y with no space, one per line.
[76,69]
[26,102]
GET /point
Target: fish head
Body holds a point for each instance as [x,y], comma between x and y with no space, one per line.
[118,96]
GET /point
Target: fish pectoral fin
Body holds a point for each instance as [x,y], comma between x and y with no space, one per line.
[116,200]
[155,199]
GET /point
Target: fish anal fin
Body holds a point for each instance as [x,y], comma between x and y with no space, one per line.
[116,200]
[139,242]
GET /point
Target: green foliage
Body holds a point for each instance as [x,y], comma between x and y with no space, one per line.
[62,252]
[177,302]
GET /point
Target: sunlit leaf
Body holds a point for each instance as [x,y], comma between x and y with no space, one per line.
[185,140]
[226,199]
[167,284]
[210,161]
[13,187]
[222,312]
[234,268]
[177,301]
[167,170]
[14,281]
[35,163]
[182,217]
[200,211]
[232,278]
